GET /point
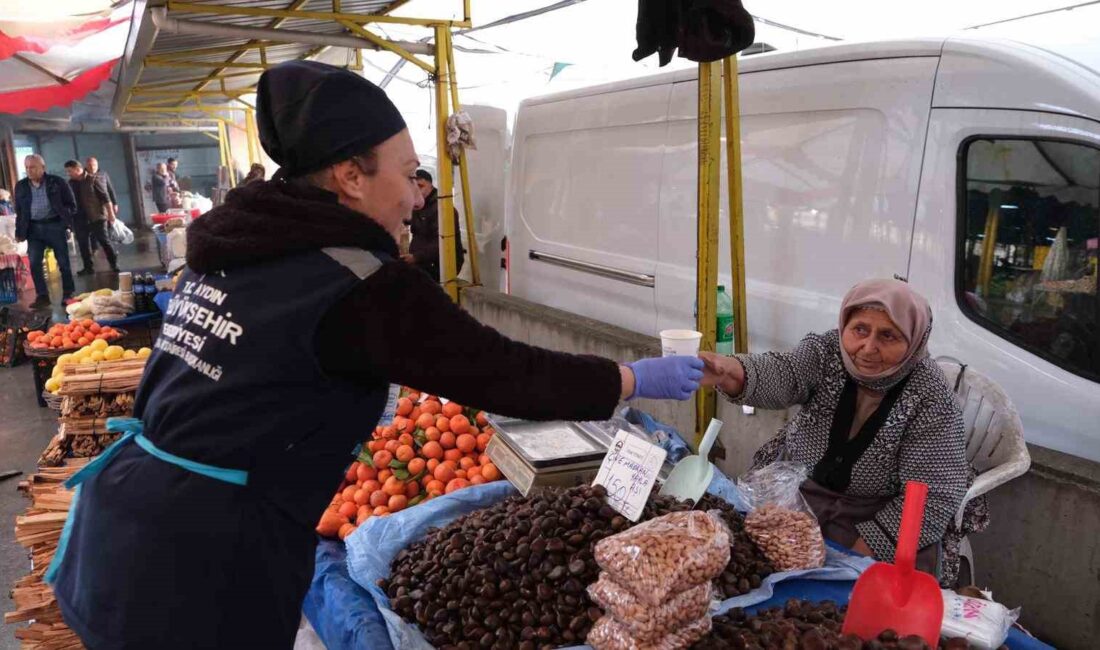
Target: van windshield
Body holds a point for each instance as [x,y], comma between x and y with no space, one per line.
[1029,232]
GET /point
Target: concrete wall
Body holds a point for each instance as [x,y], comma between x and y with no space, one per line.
[1041,552]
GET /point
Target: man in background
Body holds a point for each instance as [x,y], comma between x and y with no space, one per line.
[159,187]
[95,203]
[424,249]
[173,180]
[80,220]
[44,209]
[91,165]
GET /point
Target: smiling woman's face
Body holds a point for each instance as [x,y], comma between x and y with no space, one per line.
[873,341]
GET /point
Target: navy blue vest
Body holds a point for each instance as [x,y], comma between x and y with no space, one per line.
[234,379]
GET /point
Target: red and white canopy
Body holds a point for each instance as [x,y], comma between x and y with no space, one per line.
[55,53]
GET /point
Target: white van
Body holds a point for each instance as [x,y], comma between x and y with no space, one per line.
[915,159]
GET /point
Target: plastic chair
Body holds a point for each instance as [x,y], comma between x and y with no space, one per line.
[994,436]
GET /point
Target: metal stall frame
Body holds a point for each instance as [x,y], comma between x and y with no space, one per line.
[138,103]
[714,78]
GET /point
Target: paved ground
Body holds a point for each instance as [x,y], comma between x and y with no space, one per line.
[25,429]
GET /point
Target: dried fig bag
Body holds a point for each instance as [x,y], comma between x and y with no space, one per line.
[781,523]
[609,634]
[666,555]
[645,622]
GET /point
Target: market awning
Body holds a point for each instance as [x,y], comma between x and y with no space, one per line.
[57,54]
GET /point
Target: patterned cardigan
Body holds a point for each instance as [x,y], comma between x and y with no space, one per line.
[921,439]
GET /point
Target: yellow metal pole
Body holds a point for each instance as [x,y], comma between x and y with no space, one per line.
[740,295]
[464,174]
[364,33]
[710,159]
[250,135]
[448,272]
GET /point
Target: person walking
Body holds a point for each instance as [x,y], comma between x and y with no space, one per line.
[159,186]
[91,165]
[80,219]
[44,209]
[95,203]
[424,224]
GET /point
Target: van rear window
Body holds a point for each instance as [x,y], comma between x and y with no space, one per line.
[1028,242]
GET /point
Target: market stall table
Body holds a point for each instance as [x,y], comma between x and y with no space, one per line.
[345,614]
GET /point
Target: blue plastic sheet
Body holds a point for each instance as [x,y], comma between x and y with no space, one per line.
[341,612]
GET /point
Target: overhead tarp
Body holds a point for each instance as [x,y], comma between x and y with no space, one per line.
[57,53]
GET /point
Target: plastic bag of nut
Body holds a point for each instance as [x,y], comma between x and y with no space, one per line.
[781,523]
[609,634]
[666,555]
[642,621]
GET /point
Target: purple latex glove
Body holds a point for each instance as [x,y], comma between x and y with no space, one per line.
[666,377]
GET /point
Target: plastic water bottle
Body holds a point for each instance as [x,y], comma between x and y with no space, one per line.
[724,343]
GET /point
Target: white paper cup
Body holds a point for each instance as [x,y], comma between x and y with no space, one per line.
[680,342]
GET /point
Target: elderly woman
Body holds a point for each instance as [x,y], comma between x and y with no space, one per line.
[876,412]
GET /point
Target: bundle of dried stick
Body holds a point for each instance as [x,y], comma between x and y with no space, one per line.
[119,376]
[97,406]
[39,530]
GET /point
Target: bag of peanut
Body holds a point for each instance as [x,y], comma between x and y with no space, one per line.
[780,522]
[609,634]
[645,622]
[666,555]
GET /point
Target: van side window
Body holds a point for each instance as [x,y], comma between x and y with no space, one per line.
[1027,245]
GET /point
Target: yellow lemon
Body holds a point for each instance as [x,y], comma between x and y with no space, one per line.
[99,344]
[97,356]
[87,359]
[53,384]
[129,354]
[65,359]
[144,353]
[113,353]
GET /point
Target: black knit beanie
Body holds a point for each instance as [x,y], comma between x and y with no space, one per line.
[311,115]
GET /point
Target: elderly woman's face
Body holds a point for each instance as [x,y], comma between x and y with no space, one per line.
[873,341]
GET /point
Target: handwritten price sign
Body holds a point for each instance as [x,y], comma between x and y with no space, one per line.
[629,471]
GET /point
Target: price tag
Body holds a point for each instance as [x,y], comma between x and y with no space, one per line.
[629,471]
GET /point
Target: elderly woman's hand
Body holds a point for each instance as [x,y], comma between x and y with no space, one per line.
[725,373]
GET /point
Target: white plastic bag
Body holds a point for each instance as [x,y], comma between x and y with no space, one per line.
[118,233]
[983,623]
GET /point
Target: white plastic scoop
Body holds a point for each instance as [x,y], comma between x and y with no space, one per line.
[691,476]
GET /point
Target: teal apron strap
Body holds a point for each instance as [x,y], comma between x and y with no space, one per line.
[131,429]
[234,476]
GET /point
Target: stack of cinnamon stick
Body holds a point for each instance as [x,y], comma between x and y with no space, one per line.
[38,530]
[92,393]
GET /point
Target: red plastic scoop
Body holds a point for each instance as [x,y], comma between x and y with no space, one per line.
[897,596]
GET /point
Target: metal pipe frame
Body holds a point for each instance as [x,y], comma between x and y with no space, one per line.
[448,272]
[732,100]
[464,173]
[362,19]
[710,161]
[388,46]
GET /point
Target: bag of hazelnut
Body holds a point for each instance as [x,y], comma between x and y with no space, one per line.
[666,555]
[780,520]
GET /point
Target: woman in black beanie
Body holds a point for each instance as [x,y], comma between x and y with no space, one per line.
[287,327]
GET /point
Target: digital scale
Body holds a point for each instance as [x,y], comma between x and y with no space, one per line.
[558,453]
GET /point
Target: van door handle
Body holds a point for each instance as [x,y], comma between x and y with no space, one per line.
[630,277]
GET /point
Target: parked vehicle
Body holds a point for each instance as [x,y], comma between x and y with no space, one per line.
[969,166]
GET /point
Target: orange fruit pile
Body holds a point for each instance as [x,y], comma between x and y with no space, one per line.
[76,334]
[429,449]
